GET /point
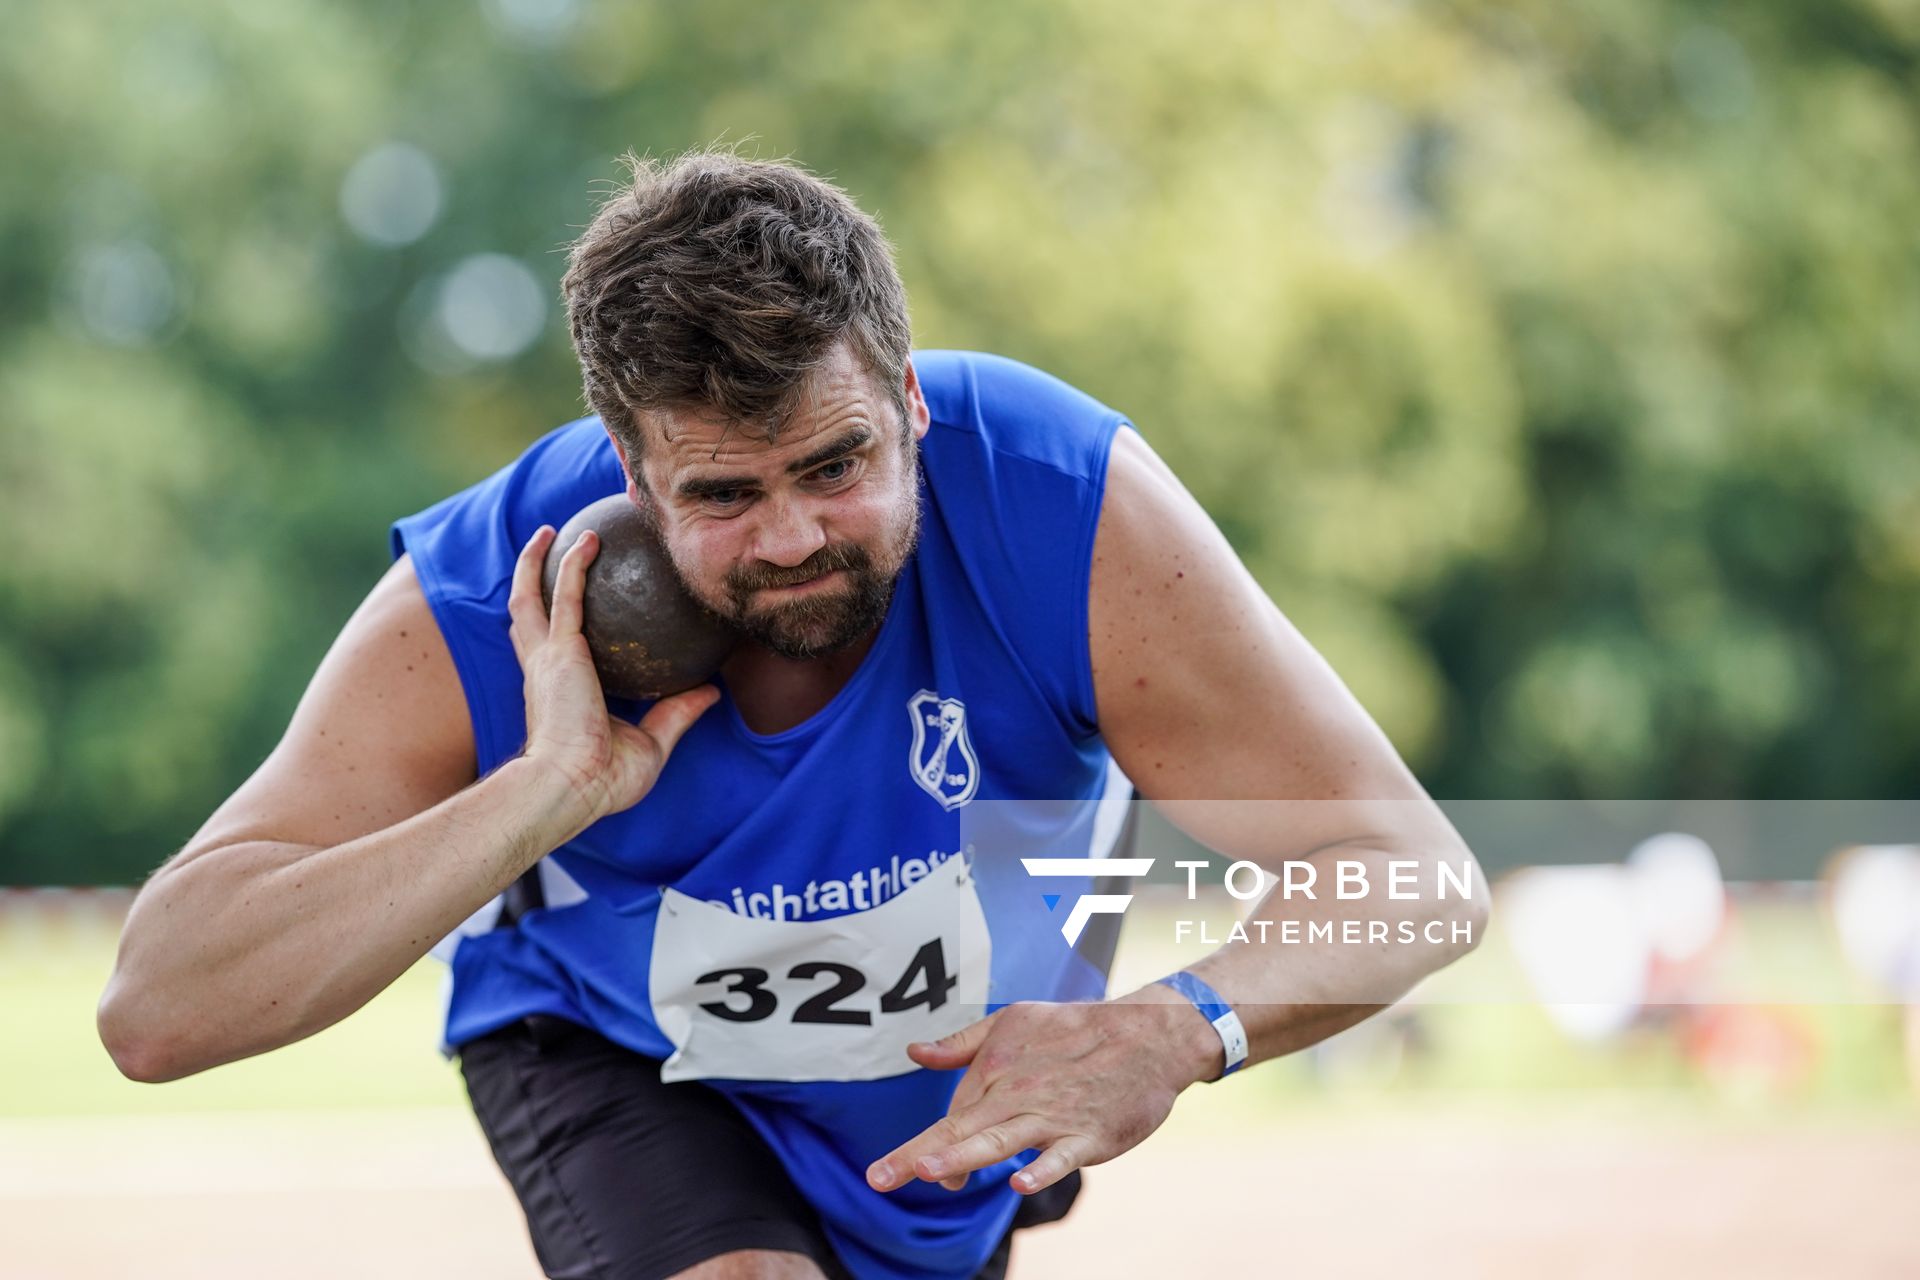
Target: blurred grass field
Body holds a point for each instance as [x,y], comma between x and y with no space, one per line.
[1497,1145]
[53,967]
[1480,1036]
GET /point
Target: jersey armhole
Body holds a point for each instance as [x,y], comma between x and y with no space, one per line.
[1085,711]
[440,604]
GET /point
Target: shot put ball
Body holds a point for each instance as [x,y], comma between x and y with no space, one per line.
[648,637]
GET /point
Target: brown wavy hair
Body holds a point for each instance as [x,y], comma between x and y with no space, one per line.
[719,284]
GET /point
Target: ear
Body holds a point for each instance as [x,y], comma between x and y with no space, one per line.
[917,411]
[635,494]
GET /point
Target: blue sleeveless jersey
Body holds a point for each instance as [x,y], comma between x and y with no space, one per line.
[977,692]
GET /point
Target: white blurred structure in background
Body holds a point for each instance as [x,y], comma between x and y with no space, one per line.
[1874,897]
[1600,942]
[1873,893]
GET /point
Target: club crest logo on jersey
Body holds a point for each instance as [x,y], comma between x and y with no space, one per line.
[942,759]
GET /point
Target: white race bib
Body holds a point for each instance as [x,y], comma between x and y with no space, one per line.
[837,999]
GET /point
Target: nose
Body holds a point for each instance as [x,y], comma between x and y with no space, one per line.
[789,531]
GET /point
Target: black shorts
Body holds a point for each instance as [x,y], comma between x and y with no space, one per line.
[625,1178]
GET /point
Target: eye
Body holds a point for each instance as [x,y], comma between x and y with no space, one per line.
[838,469]
[725,499]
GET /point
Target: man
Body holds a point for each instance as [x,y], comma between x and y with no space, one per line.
[727,1022]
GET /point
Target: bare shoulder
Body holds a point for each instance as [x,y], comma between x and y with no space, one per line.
[381,733]
[1203,688]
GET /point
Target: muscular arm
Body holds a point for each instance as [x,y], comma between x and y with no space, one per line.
[1229,721]
[1224,716]
[359,843]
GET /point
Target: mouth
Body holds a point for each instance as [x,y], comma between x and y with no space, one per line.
[804,588]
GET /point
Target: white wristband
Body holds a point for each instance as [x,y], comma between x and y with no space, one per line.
[1233,1036]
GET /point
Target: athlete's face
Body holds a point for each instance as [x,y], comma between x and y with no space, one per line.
[798,542]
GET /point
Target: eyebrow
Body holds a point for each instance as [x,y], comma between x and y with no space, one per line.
[856,439]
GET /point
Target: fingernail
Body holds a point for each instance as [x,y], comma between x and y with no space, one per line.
[1024,1179]
[881,1174]
[934,1166]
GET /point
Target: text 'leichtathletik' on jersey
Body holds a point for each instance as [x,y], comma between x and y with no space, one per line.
[861,891]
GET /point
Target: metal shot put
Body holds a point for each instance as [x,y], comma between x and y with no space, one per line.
[648,637]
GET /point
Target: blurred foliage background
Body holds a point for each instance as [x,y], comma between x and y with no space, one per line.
[1553,367]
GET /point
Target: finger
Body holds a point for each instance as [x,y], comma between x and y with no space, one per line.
[956,1050]
[570,585]
[898,1165]
[524,605]
[1056,1162]
[991,1145]
[670,717]
[973,1086]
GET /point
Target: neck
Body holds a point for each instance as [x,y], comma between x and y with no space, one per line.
[775,693]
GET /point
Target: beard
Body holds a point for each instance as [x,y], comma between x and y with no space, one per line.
[828,620]
[822,623]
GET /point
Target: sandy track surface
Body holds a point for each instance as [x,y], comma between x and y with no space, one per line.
[414,1193]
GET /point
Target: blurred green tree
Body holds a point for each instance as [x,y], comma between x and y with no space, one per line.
[1553,368]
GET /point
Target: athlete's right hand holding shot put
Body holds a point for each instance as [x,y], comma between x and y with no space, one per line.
[750,980]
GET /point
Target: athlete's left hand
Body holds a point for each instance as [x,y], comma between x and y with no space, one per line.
[1083,1082]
